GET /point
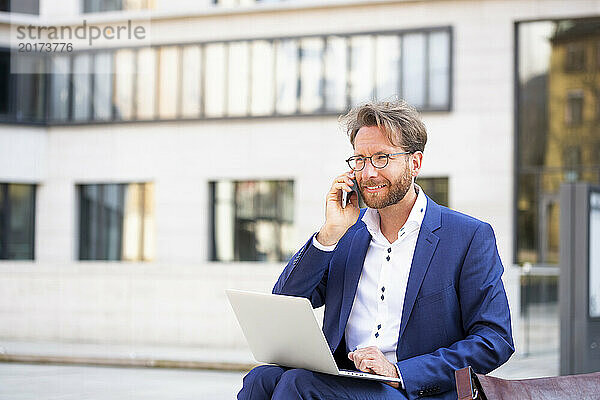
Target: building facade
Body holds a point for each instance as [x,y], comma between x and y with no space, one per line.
[139,181]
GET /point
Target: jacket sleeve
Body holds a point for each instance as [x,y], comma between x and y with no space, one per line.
[305,275]
[485,316]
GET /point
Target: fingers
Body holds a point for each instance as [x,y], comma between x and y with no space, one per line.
[372,360]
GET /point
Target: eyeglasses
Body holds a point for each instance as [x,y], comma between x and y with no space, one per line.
[379,161]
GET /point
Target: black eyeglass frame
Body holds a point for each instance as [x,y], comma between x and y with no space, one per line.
[387,159]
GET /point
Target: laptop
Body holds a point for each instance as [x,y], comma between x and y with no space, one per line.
[283,330]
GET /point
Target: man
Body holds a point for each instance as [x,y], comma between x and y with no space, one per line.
[411,289]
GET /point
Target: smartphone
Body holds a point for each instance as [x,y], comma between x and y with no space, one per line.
[346,195]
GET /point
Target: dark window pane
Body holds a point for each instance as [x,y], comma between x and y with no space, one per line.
[252,220]
[17,221]
[20,6]
[115,222]
[574,112]
[435,188]
[90,6]
[30,87]
[5,78]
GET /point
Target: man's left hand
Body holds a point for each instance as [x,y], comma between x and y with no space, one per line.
[371,360]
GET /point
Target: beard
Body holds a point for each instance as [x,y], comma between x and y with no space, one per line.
[396,191]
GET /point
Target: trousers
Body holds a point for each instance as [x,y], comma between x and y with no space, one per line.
[278,383]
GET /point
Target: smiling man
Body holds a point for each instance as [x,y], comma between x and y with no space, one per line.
[411,289]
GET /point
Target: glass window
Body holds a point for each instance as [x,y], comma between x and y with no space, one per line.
[30,87]
[5,79]
[214,79]
[263,78]
[336,66]
[287,76]
[103,86]
[557,128]
[116,222]
[238,78]
[362,72]
[124,84]
[414,69]
[387,66]
[17,221]
[436,188]
[191,81]
[146,84]
[311,75]
[81,87]
[574,111]
[439,69]
[90,6]
[575,57]
[59,84]
[168,81]
[21,6]
[252,220]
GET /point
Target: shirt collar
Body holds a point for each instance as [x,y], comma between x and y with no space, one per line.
[415,218]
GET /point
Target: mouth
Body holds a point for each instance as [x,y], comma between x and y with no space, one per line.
[374,189]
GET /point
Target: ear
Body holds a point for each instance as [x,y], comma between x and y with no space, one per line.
[416,161]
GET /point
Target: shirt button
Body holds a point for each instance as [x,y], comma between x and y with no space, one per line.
[383,288]
[379,326]
[421,210]
[377,334]
[388,258]
[382,297]
[389,249]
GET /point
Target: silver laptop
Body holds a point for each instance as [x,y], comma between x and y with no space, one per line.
[283,330]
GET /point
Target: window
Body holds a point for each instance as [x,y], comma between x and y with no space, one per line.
[574,111]
[81,87]
[116,222]
[5,83]
[93,6]
[436,189]
[414,67]
[17,221]
[335,73]
[575,57]
[103,64]
[191,82]
[244,78]
[252,220]
[30,87]
[146,84]
[169,82]
[557,130]
[59,88]
[20,6]
[124,84]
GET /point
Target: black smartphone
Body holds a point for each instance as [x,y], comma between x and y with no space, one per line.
[346,195]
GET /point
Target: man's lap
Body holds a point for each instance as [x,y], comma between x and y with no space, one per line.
[282,383]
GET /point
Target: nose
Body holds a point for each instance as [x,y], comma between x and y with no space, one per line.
[369,171]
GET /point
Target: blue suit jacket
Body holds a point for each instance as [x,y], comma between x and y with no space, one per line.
[455,308]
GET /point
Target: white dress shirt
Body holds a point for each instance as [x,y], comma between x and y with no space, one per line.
[377,308]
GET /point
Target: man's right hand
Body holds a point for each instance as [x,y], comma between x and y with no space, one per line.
[338,219]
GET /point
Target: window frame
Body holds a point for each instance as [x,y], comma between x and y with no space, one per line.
[202,116]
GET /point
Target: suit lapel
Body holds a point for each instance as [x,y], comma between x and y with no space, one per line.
[427,242]
[354,264]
